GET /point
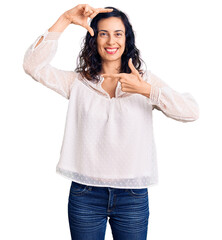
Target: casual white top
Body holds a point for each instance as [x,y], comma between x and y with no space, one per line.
[107,141]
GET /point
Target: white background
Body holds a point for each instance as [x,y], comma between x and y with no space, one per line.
[180,41]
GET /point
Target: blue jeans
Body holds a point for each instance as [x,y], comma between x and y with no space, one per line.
[89,207]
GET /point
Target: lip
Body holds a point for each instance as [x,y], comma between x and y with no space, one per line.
[113,52]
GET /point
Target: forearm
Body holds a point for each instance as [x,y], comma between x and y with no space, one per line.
[145,89]
[176,105]
[59,26]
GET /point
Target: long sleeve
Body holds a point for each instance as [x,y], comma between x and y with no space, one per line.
[37,60]
[179,106]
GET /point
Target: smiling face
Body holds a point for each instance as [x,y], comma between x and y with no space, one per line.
[111,39]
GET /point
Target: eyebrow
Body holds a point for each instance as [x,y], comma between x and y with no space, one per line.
[114,31]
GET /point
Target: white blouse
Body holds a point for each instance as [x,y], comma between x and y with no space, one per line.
[107,141]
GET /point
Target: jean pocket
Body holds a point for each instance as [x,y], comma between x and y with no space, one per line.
[78,188]
[139,192]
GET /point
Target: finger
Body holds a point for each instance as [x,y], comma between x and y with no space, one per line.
[96,11]
[132,67]
[104,10]
[94,14]
[118,75]
[89,29]
[88,12]
[86,8]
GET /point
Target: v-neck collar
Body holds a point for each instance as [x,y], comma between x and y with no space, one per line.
[98,87]
[117,91]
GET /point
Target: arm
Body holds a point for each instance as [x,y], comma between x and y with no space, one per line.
[60,25]
[179,106]
[38,56]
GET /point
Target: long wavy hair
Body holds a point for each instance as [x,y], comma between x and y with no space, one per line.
[89,62]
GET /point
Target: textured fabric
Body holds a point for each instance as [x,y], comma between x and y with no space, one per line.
[107,141]
[89,207]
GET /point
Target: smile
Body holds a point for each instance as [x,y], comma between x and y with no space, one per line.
[111,50]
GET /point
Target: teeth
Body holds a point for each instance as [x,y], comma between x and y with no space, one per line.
[111,50]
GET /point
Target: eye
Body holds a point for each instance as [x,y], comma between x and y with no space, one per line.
[119,34]
[103,34]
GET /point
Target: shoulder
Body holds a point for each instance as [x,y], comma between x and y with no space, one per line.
[79,76]
[75,75]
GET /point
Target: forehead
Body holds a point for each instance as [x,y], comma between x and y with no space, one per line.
[111,24]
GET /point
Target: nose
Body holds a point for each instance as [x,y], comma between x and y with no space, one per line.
[111,40]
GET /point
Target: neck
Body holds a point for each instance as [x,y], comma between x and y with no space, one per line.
[111,67]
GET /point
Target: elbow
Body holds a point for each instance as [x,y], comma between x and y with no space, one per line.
[194,115]
[25,67]
[29,60]
[193,118]
[195,110]
[192,112]
[191,115]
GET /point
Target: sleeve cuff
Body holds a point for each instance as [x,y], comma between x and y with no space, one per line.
[46,36]
[155,93]
[51,35]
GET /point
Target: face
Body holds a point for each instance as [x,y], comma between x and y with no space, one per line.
[111,39]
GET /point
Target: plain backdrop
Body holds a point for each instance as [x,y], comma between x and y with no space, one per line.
[180,41]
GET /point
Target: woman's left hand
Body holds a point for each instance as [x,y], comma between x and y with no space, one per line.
[131,82]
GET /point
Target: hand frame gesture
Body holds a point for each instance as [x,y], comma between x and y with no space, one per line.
[79,15]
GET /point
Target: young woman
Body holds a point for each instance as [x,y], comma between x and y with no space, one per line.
[108,150]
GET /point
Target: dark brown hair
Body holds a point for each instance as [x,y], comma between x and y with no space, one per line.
[89,62]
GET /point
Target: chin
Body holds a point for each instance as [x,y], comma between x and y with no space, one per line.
[112,58]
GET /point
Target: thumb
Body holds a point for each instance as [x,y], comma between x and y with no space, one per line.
[89,29]
[131,66]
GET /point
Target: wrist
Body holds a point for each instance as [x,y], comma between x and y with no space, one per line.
[60,25]
[66,17]
[146,89]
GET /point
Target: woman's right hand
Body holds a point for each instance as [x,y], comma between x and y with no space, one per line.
[79,15]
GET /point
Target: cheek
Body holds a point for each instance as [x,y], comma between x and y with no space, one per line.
[100,45]
[123,45]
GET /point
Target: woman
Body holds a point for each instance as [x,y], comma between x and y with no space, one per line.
[108,149]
